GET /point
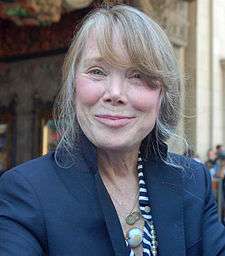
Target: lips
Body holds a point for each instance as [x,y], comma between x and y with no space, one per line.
[116,117]
[114,121]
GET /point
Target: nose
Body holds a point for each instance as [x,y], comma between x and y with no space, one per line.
[115,93]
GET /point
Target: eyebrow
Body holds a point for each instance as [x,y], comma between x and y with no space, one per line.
[94,60]
[86,62]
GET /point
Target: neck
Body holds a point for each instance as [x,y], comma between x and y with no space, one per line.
[117,165]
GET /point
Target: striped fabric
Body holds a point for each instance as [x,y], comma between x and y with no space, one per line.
[149,242]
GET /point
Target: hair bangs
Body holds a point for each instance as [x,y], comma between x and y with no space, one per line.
[105,38]
[136,43]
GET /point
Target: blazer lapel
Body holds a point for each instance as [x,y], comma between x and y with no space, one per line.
[85,169]
[164,184]
[111,219]
[79,181]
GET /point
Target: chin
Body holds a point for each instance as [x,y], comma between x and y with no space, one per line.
[115,144]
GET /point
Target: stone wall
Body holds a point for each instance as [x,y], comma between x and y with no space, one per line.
[32,86]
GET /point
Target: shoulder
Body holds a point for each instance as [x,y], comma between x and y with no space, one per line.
[37,172]
[184,161]
[43,176]
[188,166]
[196,178]
[22,190]
[37,165]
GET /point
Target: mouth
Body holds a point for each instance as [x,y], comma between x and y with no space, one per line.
[114,121]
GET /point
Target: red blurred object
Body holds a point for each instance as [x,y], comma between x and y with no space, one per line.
[30,40]
[38,12]
[32,12]
[55,136]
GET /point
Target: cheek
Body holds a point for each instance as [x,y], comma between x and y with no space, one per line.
[145,99]
[87,91]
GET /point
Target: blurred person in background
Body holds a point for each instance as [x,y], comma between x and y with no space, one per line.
[220,172]
[211,162]
[219,149]
[221,175]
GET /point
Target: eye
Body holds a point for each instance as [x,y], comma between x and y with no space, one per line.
[136,75]
[154,82]
[97,72]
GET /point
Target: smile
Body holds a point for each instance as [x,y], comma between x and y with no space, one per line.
[114,121]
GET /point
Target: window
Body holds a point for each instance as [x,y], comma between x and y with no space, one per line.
[49,135]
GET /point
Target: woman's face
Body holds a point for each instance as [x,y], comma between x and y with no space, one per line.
[116,107]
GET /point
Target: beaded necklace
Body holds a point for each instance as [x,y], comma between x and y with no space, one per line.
[148,236]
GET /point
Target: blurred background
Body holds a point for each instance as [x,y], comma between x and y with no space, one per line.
[34,38]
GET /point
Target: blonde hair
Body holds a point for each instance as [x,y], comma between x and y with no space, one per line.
[149,51]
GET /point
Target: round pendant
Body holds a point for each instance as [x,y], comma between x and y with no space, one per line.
[133,217]
[134,237]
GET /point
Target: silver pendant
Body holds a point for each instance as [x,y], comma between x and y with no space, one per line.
[134,237]
[133,217]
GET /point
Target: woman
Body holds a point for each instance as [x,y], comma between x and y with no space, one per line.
[111,187]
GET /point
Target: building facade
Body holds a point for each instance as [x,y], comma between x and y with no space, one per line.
[204,66]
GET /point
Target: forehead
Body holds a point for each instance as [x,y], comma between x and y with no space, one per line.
[112,51]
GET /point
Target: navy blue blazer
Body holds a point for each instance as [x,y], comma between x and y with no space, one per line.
[48,210]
